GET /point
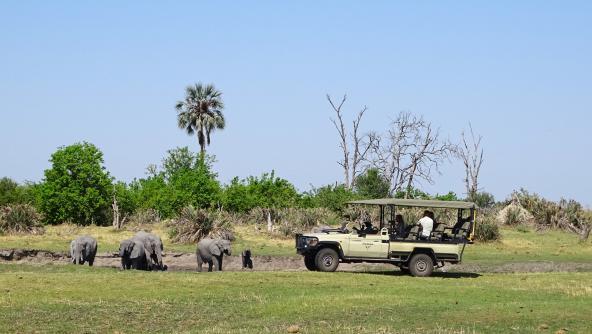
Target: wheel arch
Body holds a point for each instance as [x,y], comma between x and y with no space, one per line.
[423,250]
[333,245]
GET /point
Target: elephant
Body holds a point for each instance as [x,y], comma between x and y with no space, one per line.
[246,257]
[83,249]
[211,251]
[153,249]
[133,255]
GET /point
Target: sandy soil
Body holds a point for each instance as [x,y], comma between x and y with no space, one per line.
[187,262]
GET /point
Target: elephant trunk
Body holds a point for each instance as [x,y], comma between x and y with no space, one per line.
[159,259]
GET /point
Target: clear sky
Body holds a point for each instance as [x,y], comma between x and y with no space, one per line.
[110,73]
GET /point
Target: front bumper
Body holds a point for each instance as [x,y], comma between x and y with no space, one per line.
[303,245]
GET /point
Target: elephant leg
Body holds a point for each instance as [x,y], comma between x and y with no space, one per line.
[210,263]
[91,261]
[199,263]
[215,263]
[220,262]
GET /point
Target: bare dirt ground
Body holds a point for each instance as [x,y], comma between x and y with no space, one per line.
[187,262]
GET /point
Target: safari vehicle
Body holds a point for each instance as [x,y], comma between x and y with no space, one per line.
[391,243]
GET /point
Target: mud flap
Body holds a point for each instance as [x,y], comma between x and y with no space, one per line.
[462,251]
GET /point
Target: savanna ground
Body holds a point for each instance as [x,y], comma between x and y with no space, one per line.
[66,298]
[101,300]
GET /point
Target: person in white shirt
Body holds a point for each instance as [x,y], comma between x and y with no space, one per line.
[427,224]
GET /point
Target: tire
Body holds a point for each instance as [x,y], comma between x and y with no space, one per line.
[310,262]
[421,265]
[327,260]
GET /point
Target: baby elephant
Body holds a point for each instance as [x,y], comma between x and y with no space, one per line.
[83,249]
[247,261]
[211,251]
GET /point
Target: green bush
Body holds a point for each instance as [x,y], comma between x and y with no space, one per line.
[77,187]
[185,179]
[332,197]
[20,218]
[483,200]
[193,224]
[267,191]
[486,229]
[372,184]
[13,193]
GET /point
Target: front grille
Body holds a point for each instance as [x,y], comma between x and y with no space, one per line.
[300,241]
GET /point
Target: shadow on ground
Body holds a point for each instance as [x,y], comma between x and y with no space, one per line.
[435,274]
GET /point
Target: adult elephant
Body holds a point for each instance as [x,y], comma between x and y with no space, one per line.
[153,249]
[211,251]
[133,255]
[83,249]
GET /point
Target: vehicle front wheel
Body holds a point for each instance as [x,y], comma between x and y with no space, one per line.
[421,265]
[327,259]
[309,262]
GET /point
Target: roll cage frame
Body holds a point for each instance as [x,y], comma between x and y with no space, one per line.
[393,203]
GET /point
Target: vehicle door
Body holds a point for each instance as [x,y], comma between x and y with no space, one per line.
[369,245]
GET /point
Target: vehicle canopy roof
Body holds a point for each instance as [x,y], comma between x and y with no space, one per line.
[417,203]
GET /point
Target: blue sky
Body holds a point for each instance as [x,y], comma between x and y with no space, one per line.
[110,73]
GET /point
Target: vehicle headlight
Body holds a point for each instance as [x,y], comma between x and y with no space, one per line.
[312,242]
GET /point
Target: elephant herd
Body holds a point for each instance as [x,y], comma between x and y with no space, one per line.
[144,251]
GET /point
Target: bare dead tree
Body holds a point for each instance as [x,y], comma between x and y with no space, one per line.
[470,153]
[355,147]
[410,152]
[116,216]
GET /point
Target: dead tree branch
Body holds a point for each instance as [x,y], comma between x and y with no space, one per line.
[470,153]
[360,144]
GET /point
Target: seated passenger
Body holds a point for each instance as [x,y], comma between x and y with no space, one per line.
[399,225]
[367,229]
[427,224]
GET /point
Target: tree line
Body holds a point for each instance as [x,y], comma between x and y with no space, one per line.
[79,189]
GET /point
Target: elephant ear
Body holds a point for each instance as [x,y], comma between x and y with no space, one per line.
[136,250]
[215,249]
[125,247]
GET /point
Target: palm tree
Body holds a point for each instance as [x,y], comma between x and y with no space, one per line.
[201,113]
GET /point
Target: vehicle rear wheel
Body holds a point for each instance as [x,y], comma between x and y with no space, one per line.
[309,262]
[421,265]
[327,259]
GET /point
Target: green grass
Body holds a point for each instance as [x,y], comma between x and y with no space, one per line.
[515,246]
[100,300]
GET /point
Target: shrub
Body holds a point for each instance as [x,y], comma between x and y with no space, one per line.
[372,184]
[192,225]
[77,187]
[487,229]
[331,197]
[143,217]
[295,220]
[290,220]
[267,191]
[513,216]
[20,218]
[483,199]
